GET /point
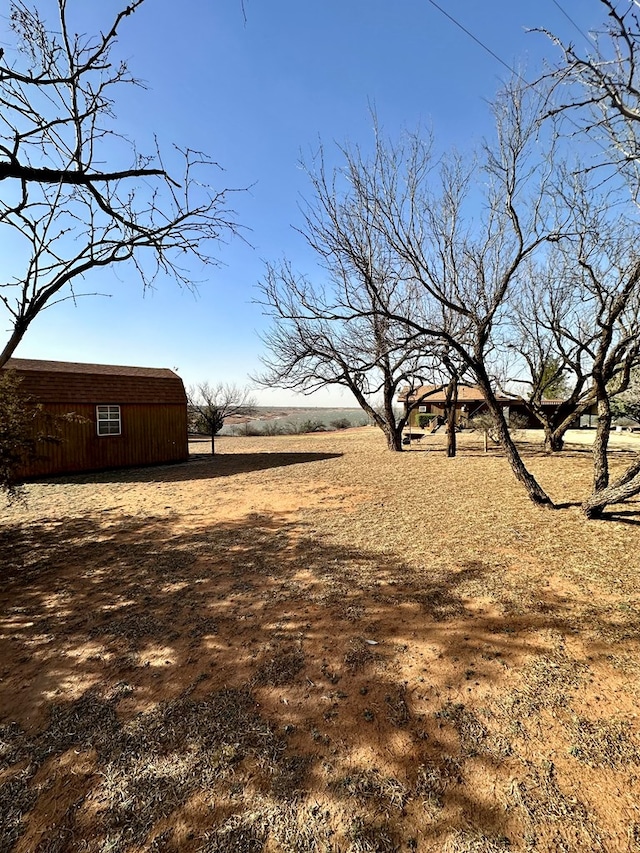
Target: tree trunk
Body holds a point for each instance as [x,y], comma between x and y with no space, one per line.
[451,399]
[394,439]
[213,443]
[600,445]
[556,424]
[533,488]
[625,487]
[553,440]
[16,336]
[393,433]
[383,418]
[451,438]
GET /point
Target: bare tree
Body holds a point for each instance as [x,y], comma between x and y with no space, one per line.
[462,266]
[62,212]
[600,91]
[315,343]
[339,331]
[452,270]
[576,319]
[606,276]
[209,405]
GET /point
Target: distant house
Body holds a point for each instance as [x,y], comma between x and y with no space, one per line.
[429,400]
[126,416]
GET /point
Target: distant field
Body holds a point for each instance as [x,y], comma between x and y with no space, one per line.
[297,415]
[307,644]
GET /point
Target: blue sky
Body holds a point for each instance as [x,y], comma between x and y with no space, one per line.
[257,94]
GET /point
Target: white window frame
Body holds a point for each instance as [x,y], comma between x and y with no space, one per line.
[422,409]
[108,414]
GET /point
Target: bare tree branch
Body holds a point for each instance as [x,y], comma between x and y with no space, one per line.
[599,91]
[209,405]
[601,95]
[66,215]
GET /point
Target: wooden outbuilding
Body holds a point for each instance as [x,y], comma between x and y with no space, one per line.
[121,416]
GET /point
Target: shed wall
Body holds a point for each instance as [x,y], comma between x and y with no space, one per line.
[151,434]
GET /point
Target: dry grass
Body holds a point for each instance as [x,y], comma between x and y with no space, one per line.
[604,743]
[310,645]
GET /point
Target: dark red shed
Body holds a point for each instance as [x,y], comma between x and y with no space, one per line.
[127,416]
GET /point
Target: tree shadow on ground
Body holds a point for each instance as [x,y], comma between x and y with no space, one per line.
[624,516]
[573,451]
[252,683]
[202,466]
[470,445]
[473,446]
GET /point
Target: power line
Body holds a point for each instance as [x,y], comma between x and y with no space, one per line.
[499,59]
[571,21]
[491,52]
[475,38]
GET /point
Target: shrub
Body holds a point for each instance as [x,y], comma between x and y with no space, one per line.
[246,429]
[23,426]
[486,423]
[424,421]
[516,424]
[272,428]
[202,425]
[16,432]
[341,423]
[311,426]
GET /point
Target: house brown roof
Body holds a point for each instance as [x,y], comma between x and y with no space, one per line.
[466,394]
[437,394]
[73,382]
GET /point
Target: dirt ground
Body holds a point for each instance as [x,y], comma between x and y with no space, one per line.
[308,644]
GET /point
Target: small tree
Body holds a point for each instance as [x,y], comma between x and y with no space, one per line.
[211,404]
[627,405]
[601,92]
[23,427]
[17,417]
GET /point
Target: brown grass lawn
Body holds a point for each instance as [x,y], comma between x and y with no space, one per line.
[310,644]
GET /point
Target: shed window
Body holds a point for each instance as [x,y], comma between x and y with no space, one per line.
[108,420]
[422,408]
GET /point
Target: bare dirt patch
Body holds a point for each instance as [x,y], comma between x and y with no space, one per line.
[310,644]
